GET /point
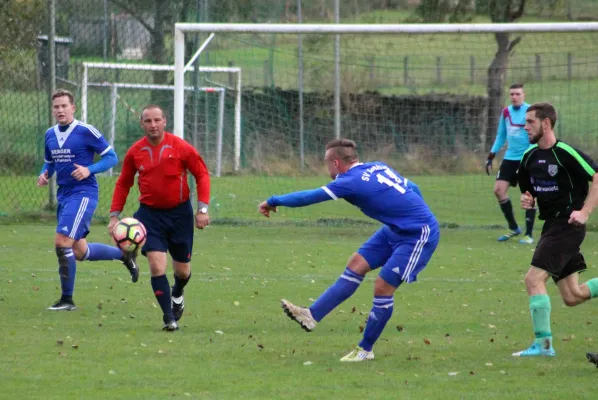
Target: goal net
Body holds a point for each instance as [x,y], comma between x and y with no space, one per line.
[113,95]
[424,98]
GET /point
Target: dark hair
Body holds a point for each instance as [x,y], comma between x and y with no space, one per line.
[150,107]
[543,111]
[63,92]
[344,149]
[516,86]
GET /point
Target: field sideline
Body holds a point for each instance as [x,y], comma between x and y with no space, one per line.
[469,305]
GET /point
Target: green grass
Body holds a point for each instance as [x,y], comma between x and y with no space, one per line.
[465,201]
[469,304]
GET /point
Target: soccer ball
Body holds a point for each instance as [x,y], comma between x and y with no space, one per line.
[129,234]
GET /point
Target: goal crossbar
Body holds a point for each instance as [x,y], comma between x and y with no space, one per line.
[389,28]
[178,110]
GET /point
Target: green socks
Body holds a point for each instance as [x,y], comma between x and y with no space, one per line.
[539,306]
[593,285]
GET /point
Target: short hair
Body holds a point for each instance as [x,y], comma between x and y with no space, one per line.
[150,107]
[543,111]
[344,149]
[62,93]
[516,86]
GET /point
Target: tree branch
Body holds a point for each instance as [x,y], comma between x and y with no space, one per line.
[136,15]
[517,14]
[514,43]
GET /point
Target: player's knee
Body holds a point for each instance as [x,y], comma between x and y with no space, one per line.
[383,288]
[500,192]
[572,301]
[533,283]
[573,298]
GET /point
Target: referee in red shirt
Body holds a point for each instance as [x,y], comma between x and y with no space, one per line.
[162,159]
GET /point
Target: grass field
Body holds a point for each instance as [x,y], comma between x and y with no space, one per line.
[451,335]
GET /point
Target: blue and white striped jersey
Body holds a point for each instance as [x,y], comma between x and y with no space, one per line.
[66,146]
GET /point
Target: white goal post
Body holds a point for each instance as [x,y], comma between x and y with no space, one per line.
[337,29]
[86,84]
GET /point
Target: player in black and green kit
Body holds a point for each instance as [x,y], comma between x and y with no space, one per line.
[556,176]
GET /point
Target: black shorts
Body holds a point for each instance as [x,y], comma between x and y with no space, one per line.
[558,249]
[508,171]
[168,230]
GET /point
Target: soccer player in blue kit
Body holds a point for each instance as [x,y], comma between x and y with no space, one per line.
[70,147]
[402,247]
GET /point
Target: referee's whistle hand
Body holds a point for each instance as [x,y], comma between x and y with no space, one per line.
[202,220]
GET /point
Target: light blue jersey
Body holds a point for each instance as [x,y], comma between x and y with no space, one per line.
[78,144]
[510,129]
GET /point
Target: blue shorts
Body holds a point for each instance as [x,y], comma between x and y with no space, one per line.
[401,257]
[169,230]
[74,215]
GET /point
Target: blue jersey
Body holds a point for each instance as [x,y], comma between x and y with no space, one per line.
[510,129]
[78,144]
[382,194]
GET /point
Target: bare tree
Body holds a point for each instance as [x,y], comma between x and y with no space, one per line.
[156,16]
[500,11]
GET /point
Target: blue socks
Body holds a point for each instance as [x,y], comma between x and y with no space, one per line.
[67,269]
[379,316]
[99,251]
[161,289]
[342,289]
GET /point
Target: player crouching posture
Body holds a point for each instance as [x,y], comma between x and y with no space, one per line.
[402,247]
[556,176]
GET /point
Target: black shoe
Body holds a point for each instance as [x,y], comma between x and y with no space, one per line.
[178,306]
[63,305]
[129,260]
[170,324]
[593,358]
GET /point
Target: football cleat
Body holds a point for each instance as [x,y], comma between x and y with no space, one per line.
[299,314]
[358,355]
[170,324]
[511,233]
[62,305]
[526,240]
[537,350]
[178,306]
[129,259]
[593,358]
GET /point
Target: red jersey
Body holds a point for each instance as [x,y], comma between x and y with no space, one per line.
[162,174]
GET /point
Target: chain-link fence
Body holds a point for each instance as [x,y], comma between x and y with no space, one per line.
[378,74]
